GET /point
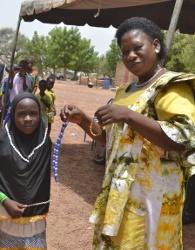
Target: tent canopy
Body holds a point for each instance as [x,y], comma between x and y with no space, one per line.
[103,13]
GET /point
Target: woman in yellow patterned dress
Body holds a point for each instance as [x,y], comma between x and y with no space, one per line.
[150,136]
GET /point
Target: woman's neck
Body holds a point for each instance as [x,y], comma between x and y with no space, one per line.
[142,81]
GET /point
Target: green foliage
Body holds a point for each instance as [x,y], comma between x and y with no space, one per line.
[181,56]
[189,55]
[36,49]
[6,43]
[113,56]
[84,59]
[102,66]
[61,45]
[107,63]
[175,61]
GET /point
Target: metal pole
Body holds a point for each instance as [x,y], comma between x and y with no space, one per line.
[14,45]
[10,81]
[173,23]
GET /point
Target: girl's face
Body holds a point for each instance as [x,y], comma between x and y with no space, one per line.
[139,53]
[27,116]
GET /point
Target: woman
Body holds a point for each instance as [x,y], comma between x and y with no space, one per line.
[149,133]
[24,177]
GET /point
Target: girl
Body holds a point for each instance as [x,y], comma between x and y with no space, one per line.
[24,177]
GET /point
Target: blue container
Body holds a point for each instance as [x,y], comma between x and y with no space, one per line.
[106,84]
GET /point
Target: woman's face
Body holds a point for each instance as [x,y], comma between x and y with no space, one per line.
[139,53]
[27,116]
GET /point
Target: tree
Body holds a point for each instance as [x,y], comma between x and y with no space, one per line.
[102,67]
[188,54]
[84,59]
[6,43]
[36,49]
[175,58]
[62,45]
[113,56]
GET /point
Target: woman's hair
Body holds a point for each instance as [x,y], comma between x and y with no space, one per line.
[146,26]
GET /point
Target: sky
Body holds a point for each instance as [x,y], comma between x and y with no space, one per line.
[9,11]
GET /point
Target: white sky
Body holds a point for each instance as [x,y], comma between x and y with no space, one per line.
[9,11]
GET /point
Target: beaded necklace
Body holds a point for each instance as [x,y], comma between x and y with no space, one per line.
[56,151]
[17,151]
[143,84]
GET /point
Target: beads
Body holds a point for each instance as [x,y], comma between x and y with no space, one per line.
[56,151]
[38,204]
[18,152]
[94,120]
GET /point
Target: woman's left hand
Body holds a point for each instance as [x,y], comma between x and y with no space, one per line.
[112,113]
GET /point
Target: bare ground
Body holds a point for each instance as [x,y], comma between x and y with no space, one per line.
[80,178]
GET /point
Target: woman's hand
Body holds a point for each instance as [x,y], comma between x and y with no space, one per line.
[14,209]
[111,113]
[72,114]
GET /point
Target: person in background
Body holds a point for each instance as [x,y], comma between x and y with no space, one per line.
[35,78]
[24,176]
[5,101]
[46,102]
[21,82]
[33,74]
[51,93]
[149,132]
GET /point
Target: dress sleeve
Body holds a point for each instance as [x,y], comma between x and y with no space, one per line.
[175,108]
[3,197]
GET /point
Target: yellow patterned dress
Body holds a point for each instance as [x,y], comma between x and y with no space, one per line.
[141,201]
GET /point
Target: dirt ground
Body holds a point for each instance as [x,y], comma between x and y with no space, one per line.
[80,178]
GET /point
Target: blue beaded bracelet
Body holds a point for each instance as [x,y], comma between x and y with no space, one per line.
[56,151]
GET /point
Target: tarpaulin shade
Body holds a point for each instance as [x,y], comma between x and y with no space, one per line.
[109,12]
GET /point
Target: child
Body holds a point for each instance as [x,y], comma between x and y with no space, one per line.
[24,176]
[46,102]
[50,85]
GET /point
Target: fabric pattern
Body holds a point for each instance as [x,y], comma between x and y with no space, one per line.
[140,204]
[9,242]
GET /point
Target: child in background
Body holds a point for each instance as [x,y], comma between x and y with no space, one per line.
[50,85]
[36,79]
[45,101]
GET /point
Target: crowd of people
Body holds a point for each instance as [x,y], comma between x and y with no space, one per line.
[149,134]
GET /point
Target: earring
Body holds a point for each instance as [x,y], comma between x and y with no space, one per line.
[157,51]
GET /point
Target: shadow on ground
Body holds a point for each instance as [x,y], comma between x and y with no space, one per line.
[78,171]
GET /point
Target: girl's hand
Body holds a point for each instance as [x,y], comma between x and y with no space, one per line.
[111,113]
[72,114]
[14,209]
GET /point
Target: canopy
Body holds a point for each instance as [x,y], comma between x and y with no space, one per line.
[103,13]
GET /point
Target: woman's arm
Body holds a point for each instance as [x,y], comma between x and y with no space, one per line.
[151,130]
[147,127]
[73,114]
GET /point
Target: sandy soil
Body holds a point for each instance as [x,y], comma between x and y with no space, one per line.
[80,178]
